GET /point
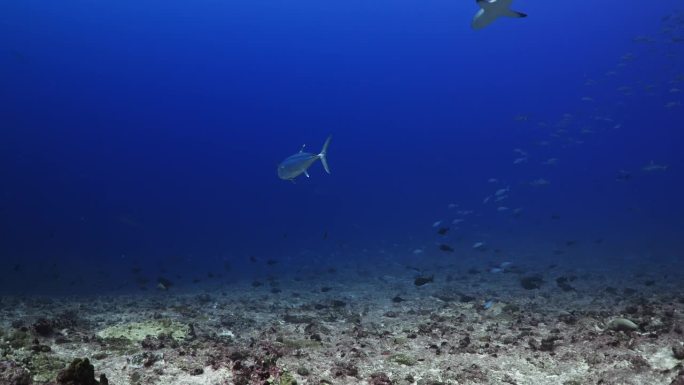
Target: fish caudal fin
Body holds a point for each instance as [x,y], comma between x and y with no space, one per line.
[323,154]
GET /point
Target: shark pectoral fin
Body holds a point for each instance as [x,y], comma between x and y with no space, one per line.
[514,14]
[306,173]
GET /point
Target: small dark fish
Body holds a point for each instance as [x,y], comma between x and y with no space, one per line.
[571,242]
[598,241]
[443,230]
[256,283]
[326,289]
[164,283]
[16,267]
[446,248]
[325,235]
[398,299]
[135,270]
[196,280]
[420,281]
[271,262]
[210,275]
[623,176]
[563,283]
[252,258]
[555,216]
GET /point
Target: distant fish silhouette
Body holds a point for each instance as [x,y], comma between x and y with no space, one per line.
[491,10]
[446,248]
[423,280]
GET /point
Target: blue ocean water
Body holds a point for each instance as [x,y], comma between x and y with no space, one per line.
[142,138]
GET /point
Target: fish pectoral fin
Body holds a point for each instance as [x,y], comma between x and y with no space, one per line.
[306,173]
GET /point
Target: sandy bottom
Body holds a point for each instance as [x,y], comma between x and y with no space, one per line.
[351,327]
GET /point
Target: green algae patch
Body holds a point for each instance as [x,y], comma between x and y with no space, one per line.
[285,378]
[137,331]
[19,339]
[402,359]
[45,367]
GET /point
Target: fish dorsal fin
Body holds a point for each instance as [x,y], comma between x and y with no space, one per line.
[303,147]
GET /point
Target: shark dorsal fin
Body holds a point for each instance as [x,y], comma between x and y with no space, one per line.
[483,3]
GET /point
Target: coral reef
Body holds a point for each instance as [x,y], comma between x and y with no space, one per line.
[471,327]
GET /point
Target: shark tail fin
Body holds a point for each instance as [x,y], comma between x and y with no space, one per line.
[323,154]
[514,14]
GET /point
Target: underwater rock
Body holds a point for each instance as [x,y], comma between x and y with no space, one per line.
[259,372]
[38,348]
[80,372]
[43,327]
[679,380]
[344,369]
[380,379]
[678,352]
[661,359]
[622,324]
[302,371]
[531,282]
[547,344]
[145,359]
[13,374]
[138,331]
[159,342]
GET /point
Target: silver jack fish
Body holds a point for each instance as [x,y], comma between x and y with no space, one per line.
[297,164]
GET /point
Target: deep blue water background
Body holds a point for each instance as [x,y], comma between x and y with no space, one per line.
[146,135]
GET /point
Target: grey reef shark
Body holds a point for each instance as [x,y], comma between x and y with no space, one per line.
[491,10]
